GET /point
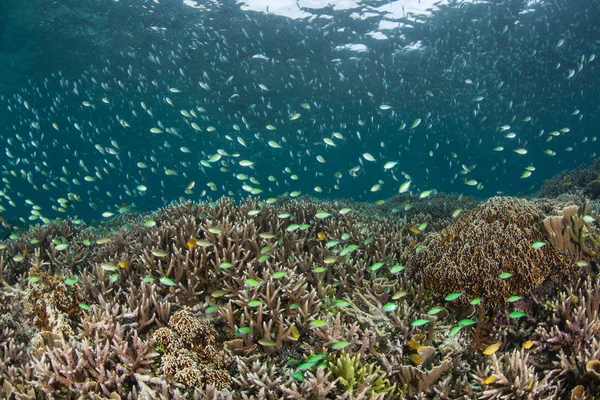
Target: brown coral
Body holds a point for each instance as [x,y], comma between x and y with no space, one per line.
[557,228]
[168,340]
[55,305]
[192,330]
[470,254]
[190,357]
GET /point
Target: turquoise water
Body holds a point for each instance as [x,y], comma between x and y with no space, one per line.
[130,105]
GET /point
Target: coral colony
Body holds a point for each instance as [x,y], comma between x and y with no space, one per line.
[304,299]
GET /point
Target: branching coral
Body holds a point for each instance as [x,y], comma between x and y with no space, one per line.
[575,318]
[99,364]
[15,375]
[570,340]
[316,386]
[514,377]
[260,378]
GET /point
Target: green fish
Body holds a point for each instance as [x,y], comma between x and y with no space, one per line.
[167,281]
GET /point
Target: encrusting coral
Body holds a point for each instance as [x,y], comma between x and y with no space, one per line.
[255,300]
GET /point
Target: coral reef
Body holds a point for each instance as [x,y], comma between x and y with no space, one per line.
[592,190]
[109,360]
[299,299]
[436,210]
[514,377]
[570,342]
[573,181]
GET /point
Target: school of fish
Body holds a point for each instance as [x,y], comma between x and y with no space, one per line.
[476,99]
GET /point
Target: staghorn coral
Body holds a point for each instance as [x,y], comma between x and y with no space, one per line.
[579,365]
[316,386]
[16,333]
[38,248]
[454,387]
[575,317]
[254,247]
[515,377]
[260,378]
[569,341]
[15,381]
[470,254]
[96,365]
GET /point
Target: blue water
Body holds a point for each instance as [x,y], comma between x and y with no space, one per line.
[466,70]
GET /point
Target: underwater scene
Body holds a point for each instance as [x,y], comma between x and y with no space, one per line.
[299,199]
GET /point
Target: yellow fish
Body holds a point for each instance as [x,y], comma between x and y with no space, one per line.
[414,344]
[295,332]
[528,344]
[415,230]
[491,349]
[416,358]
